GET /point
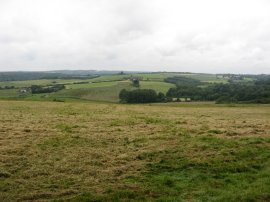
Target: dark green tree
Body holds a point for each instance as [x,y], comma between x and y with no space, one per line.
[136,82]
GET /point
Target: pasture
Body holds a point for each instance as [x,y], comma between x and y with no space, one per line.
[104,88]
[114,152]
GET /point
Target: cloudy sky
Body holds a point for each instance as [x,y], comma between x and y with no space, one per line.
[215,36]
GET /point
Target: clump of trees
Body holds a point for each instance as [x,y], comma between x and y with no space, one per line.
[257,91]
[183,81]
[7,87]
[36,89]
[135,82]
[141,96]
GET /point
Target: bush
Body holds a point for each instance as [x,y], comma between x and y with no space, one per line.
[136,82]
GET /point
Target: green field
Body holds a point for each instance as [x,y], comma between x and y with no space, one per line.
[5,94]
[114,152]
[102,91]
[103,88]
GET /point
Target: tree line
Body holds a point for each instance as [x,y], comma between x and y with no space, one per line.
[36,89]
[6,87]
[257,91]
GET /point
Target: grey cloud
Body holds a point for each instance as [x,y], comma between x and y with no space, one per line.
[154,35]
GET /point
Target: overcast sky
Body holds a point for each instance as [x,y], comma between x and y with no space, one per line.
[215,36]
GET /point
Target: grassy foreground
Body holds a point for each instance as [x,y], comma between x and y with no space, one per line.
[113,152]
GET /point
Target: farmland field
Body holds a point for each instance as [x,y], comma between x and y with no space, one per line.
[103,88]
[113,152]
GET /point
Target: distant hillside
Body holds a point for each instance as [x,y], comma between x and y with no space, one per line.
[105,86]
[58,74]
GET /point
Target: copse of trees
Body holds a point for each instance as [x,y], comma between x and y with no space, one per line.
[135,82]
[7,87]
[35,89]
[141,96]
[223,93]
[183,81]
[257,91]
[263,80]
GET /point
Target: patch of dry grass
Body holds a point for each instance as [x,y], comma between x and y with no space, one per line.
[98,151]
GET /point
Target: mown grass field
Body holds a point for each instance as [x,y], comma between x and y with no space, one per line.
[113,152]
